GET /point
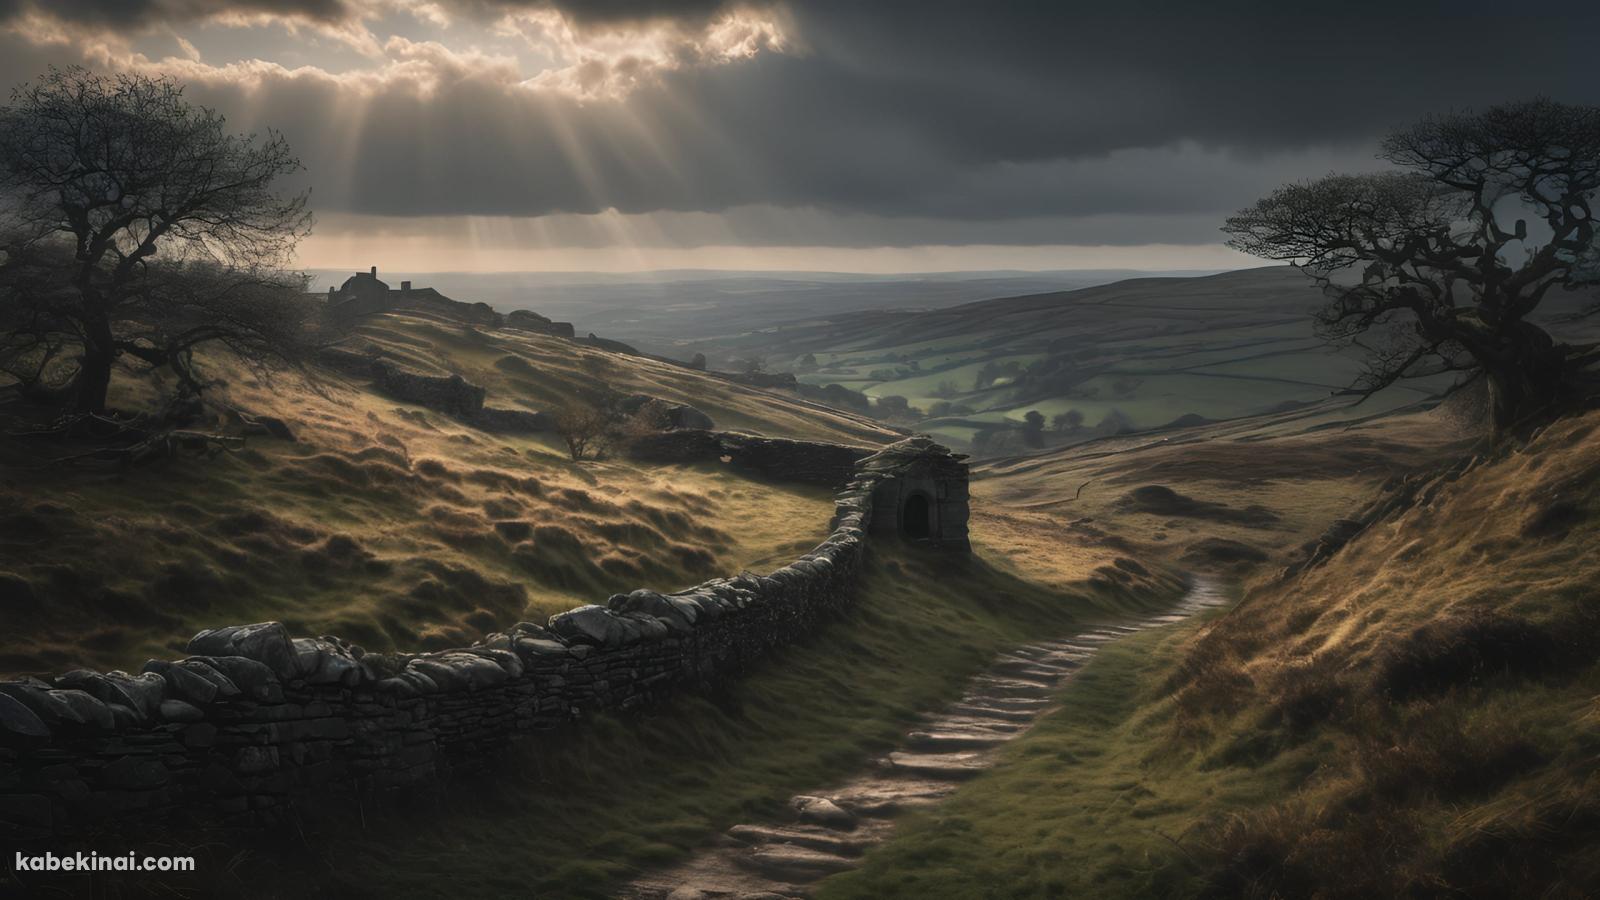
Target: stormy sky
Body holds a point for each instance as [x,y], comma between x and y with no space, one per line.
[848,135]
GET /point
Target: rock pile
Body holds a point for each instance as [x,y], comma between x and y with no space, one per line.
[528,320]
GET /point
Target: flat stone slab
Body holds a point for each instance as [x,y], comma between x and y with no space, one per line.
[887,796]
[810,836]
[795,863]
[998,711]
[989,686]
[944,765]
[954,740]
[974,723]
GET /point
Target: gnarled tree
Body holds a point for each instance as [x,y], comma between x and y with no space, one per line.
[1437,268]
[134,227]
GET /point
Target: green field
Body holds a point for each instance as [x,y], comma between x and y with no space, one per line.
[1136,354]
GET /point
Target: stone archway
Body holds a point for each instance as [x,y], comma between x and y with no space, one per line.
[916,516]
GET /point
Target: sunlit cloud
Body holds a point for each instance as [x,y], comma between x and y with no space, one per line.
[611,61]
[591,62]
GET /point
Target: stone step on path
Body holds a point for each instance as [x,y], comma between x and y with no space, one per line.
[1032,670]
[1014,688]
[826,833]
[813,837]
[964,723]
[1002,713]
[957,766]
[955,739]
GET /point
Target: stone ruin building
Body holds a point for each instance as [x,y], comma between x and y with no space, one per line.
[923,495]
[363,294]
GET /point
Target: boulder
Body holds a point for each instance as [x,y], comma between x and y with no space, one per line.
[595,626]
[253,678]
[531,647]
[19,724]
[147,691]
[322,661]
[104,689]
[528,320]
[650,628]
[183,684]
[458,670]
[265,642]
[672,616]
[226,689]
[91,712]
[71,709]
[505,659]
[822,811]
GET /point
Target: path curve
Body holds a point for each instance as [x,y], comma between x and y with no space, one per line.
[829,830]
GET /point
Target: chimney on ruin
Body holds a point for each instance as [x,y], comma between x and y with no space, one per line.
[405,287]
[374,271]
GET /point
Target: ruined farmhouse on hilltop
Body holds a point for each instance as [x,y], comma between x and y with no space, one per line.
[363,294]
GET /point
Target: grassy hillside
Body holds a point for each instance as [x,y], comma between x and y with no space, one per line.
[1136,354]
[1232,495]
[1416,716]
[385,523]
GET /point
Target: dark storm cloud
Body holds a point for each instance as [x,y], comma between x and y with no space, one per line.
[936,110]
[611,12]
[144,13]
[135,14]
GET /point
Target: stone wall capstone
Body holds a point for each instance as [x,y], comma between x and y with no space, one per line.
[254,718]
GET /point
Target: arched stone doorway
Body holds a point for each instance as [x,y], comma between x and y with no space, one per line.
[916,517]
[919,490]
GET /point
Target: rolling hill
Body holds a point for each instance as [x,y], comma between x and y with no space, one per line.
[665,312]
[1133,355]
[382,520]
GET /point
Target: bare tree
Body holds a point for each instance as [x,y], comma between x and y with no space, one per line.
[587,428]
[135,228]
[1436,269]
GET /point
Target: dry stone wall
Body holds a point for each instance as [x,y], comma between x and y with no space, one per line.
[255,718]
[780,459]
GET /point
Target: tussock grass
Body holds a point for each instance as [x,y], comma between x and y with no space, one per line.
[390,525]
[1226,496]
[1416,717]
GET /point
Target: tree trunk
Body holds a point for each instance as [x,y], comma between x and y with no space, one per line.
[1529,384]
[93,380]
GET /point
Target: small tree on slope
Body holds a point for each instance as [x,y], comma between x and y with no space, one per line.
[1437,269]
